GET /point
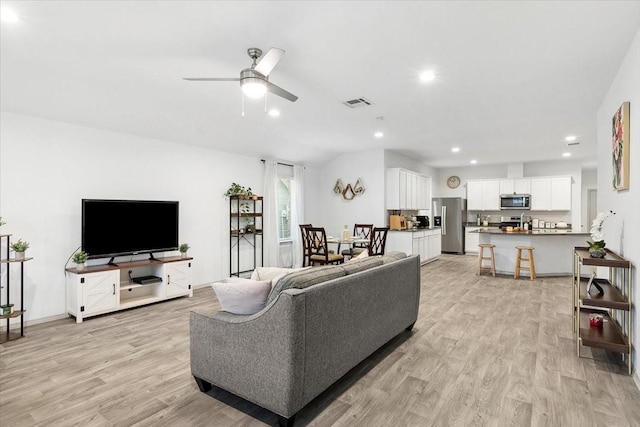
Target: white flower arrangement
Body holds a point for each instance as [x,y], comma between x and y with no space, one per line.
[596,231]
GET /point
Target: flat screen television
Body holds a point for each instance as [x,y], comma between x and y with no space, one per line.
[127,227]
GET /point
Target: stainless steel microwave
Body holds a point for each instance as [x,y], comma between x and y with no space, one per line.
[515,201]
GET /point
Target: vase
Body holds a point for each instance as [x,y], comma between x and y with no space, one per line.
[183,254]
[20,256]
[80,266]
[597,253]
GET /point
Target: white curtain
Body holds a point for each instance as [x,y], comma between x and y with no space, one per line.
[297,213]
[270,240]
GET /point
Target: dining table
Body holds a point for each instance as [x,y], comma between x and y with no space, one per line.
[350,241]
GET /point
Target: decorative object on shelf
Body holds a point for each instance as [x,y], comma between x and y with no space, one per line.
[19,248]
[183,248]
[597,244]
[338,187]
[453,182]
[2,222]
[238,190]
[350,191]
[6,310]
[620,147]
[80,258]
[593,282]
[595,320]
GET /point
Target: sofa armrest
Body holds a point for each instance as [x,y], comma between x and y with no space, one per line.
[259,357]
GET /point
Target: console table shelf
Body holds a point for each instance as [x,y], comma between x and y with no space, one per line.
[8,334]
[614,304]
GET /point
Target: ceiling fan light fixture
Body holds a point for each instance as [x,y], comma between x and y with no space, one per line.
[254,88]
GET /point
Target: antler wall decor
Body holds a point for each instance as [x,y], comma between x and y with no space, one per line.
[350,191]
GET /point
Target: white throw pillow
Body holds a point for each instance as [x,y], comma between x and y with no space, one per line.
[242,296]
[273,273]
[361,255]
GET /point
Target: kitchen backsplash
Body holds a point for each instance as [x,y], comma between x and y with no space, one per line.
[494,216]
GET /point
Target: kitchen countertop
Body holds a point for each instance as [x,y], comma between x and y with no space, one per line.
[534,232]
[410,230]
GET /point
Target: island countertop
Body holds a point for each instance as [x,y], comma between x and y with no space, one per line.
[535,232]
[553,248]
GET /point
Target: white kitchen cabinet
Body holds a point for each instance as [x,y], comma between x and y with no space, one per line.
[515,186]
[483,195]
[561,193]
[471,240]
[551,193]
[425,243]
[407,190]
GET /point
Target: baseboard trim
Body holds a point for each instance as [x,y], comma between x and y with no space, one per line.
[33,322]
[636,379]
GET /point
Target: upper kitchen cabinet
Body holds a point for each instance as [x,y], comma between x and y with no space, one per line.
[483,195]
[515,186]
[407,190]
[551,193]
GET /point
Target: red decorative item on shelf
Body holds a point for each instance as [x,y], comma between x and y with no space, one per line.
[595,320]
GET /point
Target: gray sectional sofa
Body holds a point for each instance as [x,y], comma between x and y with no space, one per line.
[317,325]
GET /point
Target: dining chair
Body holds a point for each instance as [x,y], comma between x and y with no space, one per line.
[362,231]
[378,241]
[306,250]
[319,249]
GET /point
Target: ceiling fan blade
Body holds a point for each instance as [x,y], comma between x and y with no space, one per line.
[268,61]
[277,90]
[213,79]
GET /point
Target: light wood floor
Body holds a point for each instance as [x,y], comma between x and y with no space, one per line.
[485,351]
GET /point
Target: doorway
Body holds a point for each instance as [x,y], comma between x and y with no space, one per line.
[592,206]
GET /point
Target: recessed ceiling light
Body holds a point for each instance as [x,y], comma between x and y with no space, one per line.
[378,134]
[566,154]
[428,76]
[8,15]
[274,112]
[473,162]
[571,138]
[455,149]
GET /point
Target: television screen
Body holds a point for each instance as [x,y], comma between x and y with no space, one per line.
[125,227]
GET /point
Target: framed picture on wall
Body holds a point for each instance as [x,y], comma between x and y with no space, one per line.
[620,147]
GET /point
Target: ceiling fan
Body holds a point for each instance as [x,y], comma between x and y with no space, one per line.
[254,80]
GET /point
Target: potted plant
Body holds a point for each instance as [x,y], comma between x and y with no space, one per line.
[238,190]
[183,249]
[597,243]
[80,258]
[19,248]
[2,222]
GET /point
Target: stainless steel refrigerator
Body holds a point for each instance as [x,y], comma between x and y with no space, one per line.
[453,213]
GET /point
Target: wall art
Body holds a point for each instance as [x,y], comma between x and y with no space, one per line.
[620,147]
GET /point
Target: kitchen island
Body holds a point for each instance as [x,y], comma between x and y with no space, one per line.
[553,248]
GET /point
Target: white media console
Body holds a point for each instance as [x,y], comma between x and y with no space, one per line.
[106,288]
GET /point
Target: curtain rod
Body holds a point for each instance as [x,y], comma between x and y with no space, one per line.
[283,164]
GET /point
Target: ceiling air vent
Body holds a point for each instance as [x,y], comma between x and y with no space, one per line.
[358,102]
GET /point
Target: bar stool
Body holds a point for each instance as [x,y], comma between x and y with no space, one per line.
[530,260]
[481,258]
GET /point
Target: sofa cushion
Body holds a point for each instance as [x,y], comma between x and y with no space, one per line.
[393,256]
[357,265]
[273,273]
[305,278]
[242,296]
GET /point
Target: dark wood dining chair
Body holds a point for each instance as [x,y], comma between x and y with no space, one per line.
[306,250]
[378,241]
[319,249]
[362,231]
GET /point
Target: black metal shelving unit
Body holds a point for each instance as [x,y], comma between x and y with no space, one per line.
[245,210]
[8,334]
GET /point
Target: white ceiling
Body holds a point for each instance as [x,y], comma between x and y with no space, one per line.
[514,78]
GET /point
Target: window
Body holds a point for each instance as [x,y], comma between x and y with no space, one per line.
[285,179]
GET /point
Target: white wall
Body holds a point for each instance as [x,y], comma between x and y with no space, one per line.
[326,209]
[622,231]
[47,167]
